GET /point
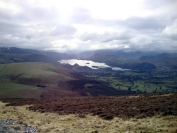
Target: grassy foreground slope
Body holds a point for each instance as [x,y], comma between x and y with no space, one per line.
[54,123]
[151,113]
[21,79]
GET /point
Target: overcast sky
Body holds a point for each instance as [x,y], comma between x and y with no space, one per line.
[89,24]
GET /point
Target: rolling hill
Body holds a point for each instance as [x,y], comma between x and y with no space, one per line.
[36,79]
[34,72]
[27,79]
[14,55]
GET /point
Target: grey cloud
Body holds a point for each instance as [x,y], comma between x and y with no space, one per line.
[171,30]
[36,27]
[7,27]
[149,43]
[155,4]
[31,27]
[64,46]
[148,23]
[166,9]
[105,37]
[21,36]
[40,13]
[63,30]
[34,13]
[13,41]
[20,17]
[81,15]
[13,34]
[139,23]
[16,30]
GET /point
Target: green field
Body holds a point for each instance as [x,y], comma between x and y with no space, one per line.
[14,90]
[33,72]
[160,80]
[21,79]
[31,69]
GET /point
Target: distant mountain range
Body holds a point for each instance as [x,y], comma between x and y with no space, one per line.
[112,55]
[13,54]
[121,58]
[116,58]
[163,59]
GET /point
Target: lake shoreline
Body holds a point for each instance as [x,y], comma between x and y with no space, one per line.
[90,64]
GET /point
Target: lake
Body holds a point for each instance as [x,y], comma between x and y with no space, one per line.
[91,64]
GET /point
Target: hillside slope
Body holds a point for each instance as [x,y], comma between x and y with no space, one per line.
[14,55]
[36,79]
[34,72]
[32,79]
[163,59]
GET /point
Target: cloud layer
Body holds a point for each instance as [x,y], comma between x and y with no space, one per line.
[88,25]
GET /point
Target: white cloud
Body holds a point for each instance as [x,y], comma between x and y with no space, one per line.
[63,31]
[171,30]
[88,24]
[108,46]
[141,39]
